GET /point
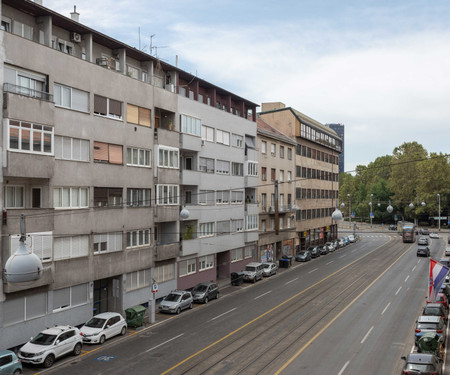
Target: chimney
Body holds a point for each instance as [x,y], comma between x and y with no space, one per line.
[272,106]
[74,15]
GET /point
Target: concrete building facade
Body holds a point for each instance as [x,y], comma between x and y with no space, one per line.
[340,131]
[101,148]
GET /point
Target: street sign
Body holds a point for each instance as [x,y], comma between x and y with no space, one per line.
[371,214]
[353,214]
[154,288]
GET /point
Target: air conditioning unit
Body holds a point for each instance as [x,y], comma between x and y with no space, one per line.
[75,37]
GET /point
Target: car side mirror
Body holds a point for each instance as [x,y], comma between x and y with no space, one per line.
[57,342]
[403,357]
[107,326]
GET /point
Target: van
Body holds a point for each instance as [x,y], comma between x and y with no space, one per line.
[253,272]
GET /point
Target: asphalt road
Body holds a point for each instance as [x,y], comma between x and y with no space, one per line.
[350,312]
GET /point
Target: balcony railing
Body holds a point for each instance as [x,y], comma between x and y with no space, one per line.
[21,90]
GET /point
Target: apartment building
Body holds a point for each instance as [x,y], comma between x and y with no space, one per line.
[340,131]
[276,193]
[101,147]
[316,171]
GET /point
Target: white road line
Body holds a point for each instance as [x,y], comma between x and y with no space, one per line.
[342,256]
[367,335]
[291,281]
[407,277]
[412,350]
[315,269]
[398,290]
[343,368]
[163,343]
[414,268]
[262,295]
[227,312]
[330,262]
[385,308]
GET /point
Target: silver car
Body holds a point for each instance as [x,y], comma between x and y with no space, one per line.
[269,269]
[176,301]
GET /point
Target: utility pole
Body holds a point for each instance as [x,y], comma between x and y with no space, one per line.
[277,223]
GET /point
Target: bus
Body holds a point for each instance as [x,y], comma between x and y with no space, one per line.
[408,232]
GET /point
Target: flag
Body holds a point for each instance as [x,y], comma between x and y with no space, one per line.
[437,276]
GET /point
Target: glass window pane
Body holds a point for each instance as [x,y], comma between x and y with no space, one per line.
[65,197]
[75,197]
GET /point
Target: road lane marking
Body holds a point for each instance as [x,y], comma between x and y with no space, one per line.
[163,343]
[342,256]
[291,281]
[343,368]
[330,262]
[398,290]
[226,312]
[262,295]
[407,277]
[367,335]
[385,308]
[315,269]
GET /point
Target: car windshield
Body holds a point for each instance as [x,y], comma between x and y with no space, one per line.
[302,253]
[432,311]
[419,367]
[432,326]
[95,323]
[266,265]
[250,268]
[172,297]
[43,339]
[200,288]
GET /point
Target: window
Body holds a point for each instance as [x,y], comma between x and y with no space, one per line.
[14,197]
[263,147]
[252,222]
[138,238]
[29,137]
[206,197]
[70,297]
[139,157]
[289,153]
[6,24]
[107,242]
[107,107]
[223,228]
[298,171]
[36,197]
[138,197]
[187,267]
[272,224]
[71,247]
[280,223]
[167,194]
[281,175]
[39,243]
[207,133]
[71,197]
[138,115]
[206,165]
[238,140]
[263,173]
[222,197]
[69,97]
[22,30]
[107,153]
[282,152]
[132,72]
[107,197]
[263,225]
[206,230]
[75,149]
[273,174]
[164,273]
[223,137]
[138,279]
[263,201]
[273,149]
[236,255]
[252,168]
[188,163]
[289,175]
[222,167]
[168,157]
[237,169]
[205,262]
[248,251]
[237,225]
[191,125]
[237,197]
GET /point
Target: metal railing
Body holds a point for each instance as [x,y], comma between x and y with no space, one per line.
[21,90]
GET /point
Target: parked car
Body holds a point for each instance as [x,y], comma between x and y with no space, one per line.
[422,241]
[422,364]
[269,269]
[430,324]
[445,288]
[330,246]
[253,272]
[323,250]
[176,301]
[425,232]
[303,256]
[435,309]
[434,235]
[447,251]
[423,251]
[448,240]
[440,298]
[336,244]
[51,344]
[102,327]
[342,242]
[347,240]
[204,292]
[351,238]
[315,251]
[9,363]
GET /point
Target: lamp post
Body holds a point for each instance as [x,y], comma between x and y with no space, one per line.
[370,214]
[439,211]
[349,209]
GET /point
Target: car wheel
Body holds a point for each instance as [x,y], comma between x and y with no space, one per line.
[17,372]
[190,305]
[102,339]
[206,299]
[178,311]
[77,349]
[49,361]
[254,280]
[217,295]
[123,331]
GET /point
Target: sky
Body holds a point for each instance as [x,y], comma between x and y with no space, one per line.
[381,68]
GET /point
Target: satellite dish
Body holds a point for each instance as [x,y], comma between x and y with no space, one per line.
[184,214]
[337,215]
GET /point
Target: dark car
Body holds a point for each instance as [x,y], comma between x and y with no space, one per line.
[315,251]
[425,232]
[449,239]
[303,256]
[423,251]
[435,309]
[204,292]
[323,250]
[422,241]
[422,364]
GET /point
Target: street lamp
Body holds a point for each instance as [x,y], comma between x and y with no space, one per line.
[349,209]
[370,204]
[439,213]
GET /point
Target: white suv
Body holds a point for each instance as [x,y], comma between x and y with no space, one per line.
[51,344]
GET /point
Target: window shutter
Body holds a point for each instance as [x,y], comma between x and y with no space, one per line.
[144,116]
[100,151]
[132,114]
[115,154]
[115,108]
[100,105]
[80,100]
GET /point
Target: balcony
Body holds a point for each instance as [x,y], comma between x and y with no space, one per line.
[167,251]
[20,90]
[20,164]
[45,279]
